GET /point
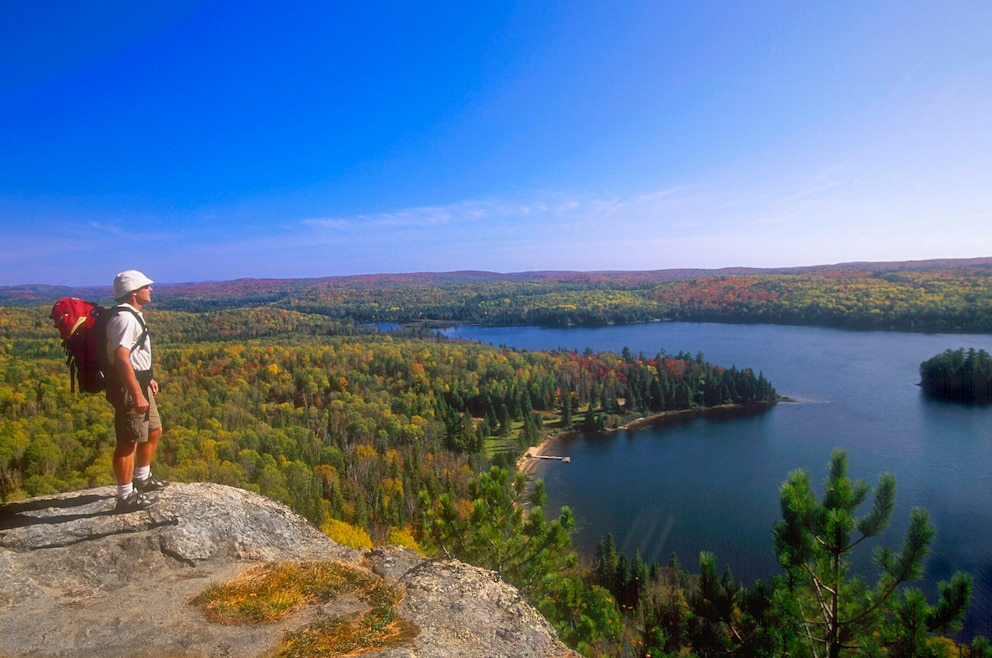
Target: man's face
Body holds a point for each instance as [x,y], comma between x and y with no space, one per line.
[143,295]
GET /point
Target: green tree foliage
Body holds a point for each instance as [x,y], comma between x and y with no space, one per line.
[501,528]
[676,614]
[586,616]
[965,376]
[497,532]
[834,611]
[623,578]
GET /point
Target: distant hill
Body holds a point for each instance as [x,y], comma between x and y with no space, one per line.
[247,291]
[933,295]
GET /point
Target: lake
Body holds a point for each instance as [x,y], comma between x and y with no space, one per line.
[712,483]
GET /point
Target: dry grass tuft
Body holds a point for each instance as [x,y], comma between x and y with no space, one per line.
[270,592]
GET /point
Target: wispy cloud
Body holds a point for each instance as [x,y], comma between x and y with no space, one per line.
[132,231]
[456,215]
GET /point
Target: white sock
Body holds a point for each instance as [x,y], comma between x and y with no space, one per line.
[142,473]
[124,490]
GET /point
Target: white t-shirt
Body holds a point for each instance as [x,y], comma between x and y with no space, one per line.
[125,330]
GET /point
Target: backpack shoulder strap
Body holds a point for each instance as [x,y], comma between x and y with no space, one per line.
[117,309]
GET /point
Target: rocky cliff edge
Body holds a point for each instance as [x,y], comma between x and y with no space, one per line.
[77,579]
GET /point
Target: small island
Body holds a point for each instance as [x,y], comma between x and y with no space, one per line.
[960,375]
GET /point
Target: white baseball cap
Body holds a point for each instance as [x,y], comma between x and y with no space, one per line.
[128,281]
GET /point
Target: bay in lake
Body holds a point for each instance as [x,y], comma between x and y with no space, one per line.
[712,483]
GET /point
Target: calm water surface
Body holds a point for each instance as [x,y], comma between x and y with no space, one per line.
[712,484]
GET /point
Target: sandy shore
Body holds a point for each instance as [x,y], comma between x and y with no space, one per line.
[526,464]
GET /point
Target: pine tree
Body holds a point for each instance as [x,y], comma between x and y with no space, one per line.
[834,612]
[607,560]
[521,546]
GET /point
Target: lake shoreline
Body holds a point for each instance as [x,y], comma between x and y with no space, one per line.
[527,462]
[713,484]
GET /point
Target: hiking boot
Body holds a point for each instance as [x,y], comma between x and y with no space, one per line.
[150,483]
[134,501]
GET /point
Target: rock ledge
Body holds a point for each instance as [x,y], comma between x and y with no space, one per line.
[78,580]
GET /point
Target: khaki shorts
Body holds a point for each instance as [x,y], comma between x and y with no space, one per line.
[133,427]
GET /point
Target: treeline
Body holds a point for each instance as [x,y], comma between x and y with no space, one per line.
[935,296]
[907,300]
[964,376]
[935,299]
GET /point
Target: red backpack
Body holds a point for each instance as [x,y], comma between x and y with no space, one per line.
[82,326]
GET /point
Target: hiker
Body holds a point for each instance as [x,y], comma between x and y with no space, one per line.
[131,389]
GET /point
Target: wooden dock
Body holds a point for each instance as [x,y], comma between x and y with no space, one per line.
[564,460]
[532,453]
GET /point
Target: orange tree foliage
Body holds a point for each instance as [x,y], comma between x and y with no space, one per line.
[932,300]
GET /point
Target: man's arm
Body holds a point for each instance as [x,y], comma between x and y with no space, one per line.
[122,361]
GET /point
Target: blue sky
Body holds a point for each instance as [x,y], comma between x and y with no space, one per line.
[202,141]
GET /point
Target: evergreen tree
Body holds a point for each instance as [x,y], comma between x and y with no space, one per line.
[607,561]
[959,375]
[498,534]
[834,612]
[566,408]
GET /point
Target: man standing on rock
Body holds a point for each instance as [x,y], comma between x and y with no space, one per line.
[131,388]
